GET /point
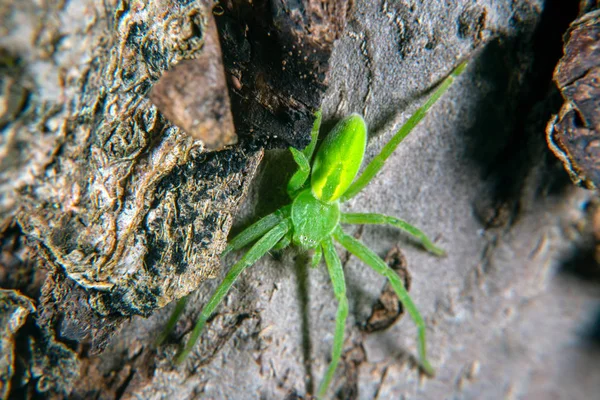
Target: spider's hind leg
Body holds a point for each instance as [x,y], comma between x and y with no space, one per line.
[380,219]
[179,307]
[336,273]
[283,243]
[263,245]
[367,256]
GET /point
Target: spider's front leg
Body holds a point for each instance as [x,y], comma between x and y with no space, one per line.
[302,159]
[179,307]
[256,230]
[377,163]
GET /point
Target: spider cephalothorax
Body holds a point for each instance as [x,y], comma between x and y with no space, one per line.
[313,221]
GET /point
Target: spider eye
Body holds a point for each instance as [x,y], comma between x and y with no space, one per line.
[339,158]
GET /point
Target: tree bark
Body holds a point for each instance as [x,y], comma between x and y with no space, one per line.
[109,211]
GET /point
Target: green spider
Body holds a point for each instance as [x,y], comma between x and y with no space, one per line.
[313,219]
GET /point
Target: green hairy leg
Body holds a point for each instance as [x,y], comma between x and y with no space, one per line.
[367,256]
[256,230]
[380,219]
[263,245]
[377,163]
[336,273]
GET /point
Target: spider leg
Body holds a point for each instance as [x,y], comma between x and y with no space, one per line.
[283,243]
[374,261]
[314,135]
[302,159]
[377,163]
[372,218]
[263,245]
[301,175]
[334,265]
[316,257]
[248,235]
[256,230]
[179,307]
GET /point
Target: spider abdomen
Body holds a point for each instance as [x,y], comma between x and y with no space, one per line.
[312,219]
[339,158]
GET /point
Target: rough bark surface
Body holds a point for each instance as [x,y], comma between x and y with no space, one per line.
[14,309]
[574,134]
[510,311]
[124,210]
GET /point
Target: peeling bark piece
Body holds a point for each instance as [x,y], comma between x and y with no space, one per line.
[127,205]
[276,54]
[64,311]
[122,209]
[388,308]
[14,309]
[574,134]
[55,367]
[194,96]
